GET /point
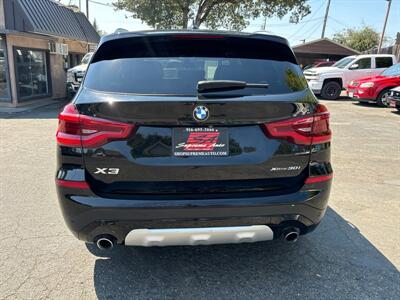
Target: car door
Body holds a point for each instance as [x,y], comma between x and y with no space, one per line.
[360,68]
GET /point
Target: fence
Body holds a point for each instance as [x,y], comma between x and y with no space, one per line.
[395,50]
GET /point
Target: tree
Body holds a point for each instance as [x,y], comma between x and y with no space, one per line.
[97,28]
[360,39]
[214,14]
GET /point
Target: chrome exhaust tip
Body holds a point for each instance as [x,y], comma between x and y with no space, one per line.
[105,243]
[291,235]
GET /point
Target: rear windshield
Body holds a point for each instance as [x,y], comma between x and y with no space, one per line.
[174,66]
[392,71]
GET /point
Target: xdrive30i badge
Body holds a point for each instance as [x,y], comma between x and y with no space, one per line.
[201,113]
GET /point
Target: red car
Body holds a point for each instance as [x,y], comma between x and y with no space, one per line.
[377,88]
[319,64]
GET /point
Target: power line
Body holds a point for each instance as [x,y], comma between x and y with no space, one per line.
[338,21]
[285,25]
[311,17]
[313,31]
[100,3]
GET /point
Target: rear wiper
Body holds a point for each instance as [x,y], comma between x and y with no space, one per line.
[227,85]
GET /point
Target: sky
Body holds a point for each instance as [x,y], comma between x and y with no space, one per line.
[342,14]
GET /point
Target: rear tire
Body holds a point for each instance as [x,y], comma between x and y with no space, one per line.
[382,98]
[331,90]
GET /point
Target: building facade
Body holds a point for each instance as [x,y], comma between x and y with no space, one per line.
[39,41]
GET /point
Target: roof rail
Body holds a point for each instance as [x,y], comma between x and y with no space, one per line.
[120,30]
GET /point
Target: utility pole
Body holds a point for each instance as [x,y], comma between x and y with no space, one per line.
[325,19]
[80,5]
[87,9]
[384,26]
[264,25]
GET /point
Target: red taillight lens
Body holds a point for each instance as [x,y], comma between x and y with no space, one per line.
[304,130]
[69,129]
[75,130]
[321,131]
[316,179]
[83,185]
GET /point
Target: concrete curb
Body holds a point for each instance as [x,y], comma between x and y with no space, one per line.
[10,111]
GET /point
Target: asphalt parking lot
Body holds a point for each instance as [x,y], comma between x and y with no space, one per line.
[355,253]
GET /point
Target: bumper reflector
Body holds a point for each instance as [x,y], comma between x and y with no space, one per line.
[319,178]
[73,184]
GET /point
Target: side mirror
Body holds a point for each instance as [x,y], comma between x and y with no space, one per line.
[353,67]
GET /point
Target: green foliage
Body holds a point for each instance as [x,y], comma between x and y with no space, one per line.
[361,39]
[214,14]
[294,81]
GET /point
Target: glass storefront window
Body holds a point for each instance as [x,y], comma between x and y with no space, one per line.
[4,86]
[31,73]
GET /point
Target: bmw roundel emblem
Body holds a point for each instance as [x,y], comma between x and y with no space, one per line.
[201,113]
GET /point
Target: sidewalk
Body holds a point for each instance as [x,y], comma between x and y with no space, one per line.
[11,111]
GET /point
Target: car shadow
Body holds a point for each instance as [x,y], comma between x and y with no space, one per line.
[340,99]
[368,105]
[396,112]
[335,261]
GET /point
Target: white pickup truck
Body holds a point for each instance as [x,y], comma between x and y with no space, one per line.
[330,81]
[75,75]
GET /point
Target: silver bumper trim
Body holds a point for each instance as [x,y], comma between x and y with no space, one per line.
[198,236]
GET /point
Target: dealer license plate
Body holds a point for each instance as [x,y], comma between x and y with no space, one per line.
[200,141]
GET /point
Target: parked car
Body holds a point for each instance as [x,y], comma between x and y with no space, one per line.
[193,137]
[394,98]
[375,88]
[330,81]
[3,78]
[76,74]
[320,64]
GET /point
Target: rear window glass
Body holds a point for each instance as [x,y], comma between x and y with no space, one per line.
[169,66]
[383,62]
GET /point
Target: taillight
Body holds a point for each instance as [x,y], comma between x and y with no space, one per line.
[76,130]
[69,130]
[308,130]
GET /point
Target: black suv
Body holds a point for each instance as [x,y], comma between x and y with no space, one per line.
[193,137]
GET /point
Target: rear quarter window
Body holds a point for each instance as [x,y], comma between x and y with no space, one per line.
[173,65]
[383,62]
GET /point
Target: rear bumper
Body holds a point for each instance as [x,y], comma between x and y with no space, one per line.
[88,216]
[394,102]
